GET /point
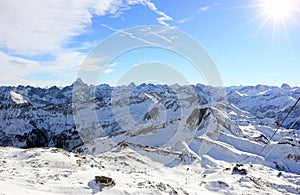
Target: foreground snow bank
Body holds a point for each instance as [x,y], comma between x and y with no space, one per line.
[55,171]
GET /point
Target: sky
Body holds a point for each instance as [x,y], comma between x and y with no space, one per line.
[46,43]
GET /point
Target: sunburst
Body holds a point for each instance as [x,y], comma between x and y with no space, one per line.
[278,10]
[279,13]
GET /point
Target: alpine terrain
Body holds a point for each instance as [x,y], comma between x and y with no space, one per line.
[150,139]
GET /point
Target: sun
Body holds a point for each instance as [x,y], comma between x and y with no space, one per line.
[280,13]
[278,9]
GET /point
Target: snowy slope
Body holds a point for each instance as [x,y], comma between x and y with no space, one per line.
[55,171]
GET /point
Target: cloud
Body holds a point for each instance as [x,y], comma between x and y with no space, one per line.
[159,35]
[114,64]
[95,64]
[16,70]
[185,20]
[107,71]
[37,27]
[66,62]
[204,8]
[163,17]
[12,68]
[162,20]
[129,34]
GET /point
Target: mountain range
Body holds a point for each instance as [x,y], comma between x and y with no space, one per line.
[219,136]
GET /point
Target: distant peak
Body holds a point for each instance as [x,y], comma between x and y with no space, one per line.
[78,82]
[285,86]
[131,85]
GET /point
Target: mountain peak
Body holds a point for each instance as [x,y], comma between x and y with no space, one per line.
[285,86]
[78,82]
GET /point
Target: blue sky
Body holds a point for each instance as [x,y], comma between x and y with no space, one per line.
[45,43]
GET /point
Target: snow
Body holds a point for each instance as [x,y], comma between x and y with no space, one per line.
[151,97]
[55,171]
[240,94]
[17,98]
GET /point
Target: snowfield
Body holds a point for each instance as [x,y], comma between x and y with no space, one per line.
[150,139]
[55,171]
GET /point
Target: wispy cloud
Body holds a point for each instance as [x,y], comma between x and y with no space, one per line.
[185,20]
[131,35]
[95,64]
[200,10]
[163,16]
[16,70]
[13,68]
[159,35]
[204,8]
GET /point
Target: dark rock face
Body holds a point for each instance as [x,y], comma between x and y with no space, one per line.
[37,138]
[68,139]
[198,115]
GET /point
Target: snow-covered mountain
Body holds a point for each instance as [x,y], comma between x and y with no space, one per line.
[159,128]
[265,102]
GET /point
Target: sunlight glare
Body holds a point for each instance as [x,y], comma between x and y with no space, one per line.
[278,9]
